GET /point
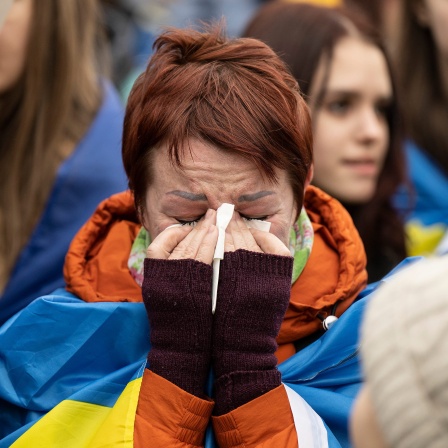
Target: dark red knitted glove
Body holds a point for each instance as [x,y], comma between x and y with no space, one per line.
[177,297]
[253,295]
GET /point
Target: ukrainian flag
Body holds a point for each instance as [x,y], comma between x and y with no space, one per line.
[70,374]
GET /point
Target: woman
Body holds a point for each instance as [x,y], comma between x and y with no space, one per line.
[357,152]
[210,122]
[59,151]
[421,64]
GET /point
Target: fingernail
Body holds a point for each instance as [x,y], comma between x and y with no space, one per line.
[173,225]
[210,215]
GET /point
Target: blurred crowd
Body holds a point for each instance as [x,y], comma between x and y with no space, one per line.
[374,75]
[413,37]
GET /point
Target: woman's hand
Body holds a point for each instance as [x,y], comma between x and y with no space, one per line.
[176,291]
[185,242]
[239,236]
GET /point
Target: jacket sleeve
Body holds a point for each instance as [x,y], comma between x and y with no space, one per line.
[169,416]
[266,422]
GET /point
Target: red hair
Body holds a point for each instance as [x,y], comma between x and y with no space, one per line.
[234,94]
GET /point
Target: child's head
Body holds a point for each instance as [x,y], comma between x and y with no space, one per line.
[404,347]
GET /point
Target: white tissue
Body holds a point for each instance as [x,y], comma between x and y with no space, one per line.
[258,224]
[223,216]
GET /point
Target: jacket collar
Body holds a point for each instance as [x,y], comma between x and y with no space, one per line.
[334,274]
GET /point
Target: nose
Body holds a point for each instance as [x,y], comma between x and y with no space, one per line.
[372,127]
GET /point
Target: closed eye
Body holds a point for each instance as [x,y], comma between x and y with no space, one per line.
[194,222]
[250,218]
[191,223]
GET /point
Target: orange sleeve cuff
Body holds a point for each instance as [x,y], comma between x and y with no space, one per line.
[264,422]
[169,416]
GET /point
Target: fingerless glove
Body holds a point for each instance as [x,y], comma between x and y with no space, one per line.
[253,295]
[177,297]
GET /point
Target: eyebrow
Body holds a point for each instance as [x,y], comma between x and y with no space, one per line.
[354,94]
[188,195]
[201,197]
[254,196]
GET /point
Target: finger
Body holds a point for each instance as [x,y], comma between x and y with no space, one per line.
[207,248]
[241,236]
[228,241]
[246,236]
[188,248]
[166,241]
[269,243]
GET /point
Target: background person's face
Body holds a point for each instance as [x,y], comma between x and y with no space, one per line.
[351,134]
[14,36]
[210,177]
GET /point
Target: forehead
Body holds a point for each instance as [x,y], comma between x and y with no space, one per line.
[353,64]
[206,168]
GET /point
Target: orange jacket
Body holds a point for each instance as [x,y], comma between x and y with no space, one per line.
[96,270]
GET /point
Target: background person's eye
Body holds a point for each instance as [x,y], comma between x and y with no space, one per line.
[383,109]
[338,107]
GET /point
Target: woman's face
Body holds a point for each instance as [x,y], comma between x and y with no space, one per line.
[351,133]
[14,33]
[210,177]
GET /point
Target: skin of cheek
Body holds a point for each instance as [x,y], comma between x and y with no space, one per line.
[14,37]
[281,226]
[154,221]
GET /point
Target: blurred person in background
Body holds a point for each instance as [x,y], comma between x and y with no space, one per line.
[128,25]
[415,34]
[386,15]
[132,24]
[357,135]
[422,70]
[403,402]
[60,127]
[182,13]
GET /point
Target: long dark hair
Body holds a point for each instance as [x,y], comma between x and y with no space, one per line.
[419,76]
[301,34]
[52,103]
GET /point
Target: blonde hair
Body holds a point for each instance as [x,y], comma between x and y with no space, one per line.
[45,114]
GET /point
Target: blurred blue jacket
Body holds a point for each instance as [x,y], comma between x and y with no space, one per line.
[92,173]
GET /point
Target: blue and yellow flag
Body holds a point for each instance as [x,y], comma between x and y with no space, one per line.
[70,373]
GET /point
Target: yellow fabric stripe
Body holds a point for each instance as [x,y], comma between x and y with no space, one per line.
[75,424]
[329,3]
[423,240]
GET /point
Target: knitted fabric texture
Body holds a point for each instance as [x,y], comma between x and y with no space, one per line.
[405,355]
[177,297]
[253,295]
